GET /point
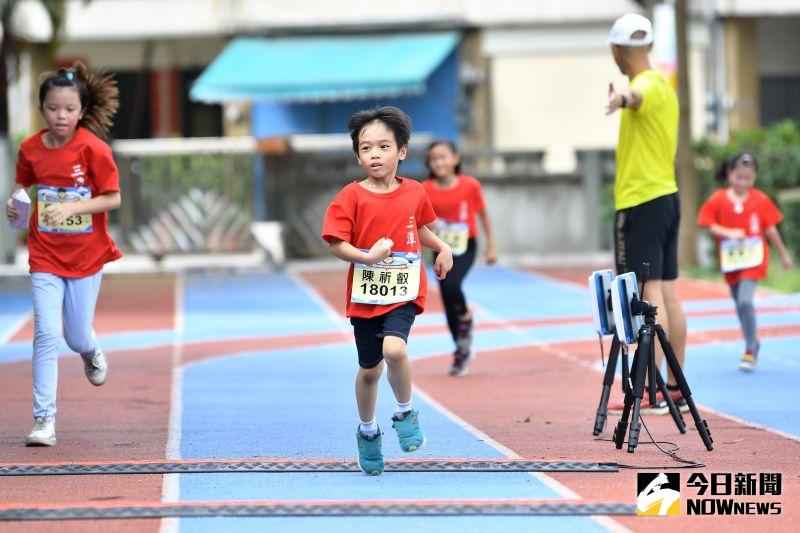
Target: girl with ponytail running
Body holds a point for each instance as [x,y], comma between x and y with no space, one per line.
[77,183]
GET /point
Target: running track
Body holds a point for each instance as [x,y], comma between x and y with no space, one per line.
[261,365]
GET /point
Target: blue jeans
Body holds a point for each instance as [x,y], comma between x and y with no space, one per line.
[55,299]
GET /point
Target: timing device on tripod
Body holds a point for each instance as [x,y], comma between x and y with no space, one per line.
[617,310]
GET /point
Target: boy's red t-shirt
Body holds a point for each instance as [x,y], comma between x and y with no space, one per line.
[759,213]
[460,203]
[69,255]
[361,217]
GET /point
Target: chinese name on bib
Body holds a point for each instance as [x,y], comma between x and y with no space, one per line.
[393,280]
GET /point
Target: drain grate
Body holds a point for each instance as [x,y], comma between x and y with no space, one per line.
[282,465]
[280,509]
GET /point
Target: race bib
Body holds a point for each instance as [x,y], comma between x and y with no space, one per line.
[393,280]
[455,234]
[47,196]
[740,254]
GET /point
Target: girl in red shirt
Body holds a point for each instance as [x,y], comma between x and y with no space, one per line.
[456,199]
[76,184]
[379,226]
[740,217]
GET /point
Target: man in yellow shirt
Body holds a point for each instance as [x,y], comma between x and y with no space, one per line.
[645,192]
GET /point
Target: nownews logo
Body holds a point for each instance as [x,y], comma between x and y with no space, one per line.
[740,484]
[659,494]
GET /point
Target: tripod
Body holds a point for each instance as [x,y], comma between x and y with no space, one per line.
[608,382]
[644,365]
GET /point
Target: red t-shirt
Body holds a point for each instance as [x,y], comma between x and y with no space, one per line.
[67,251]
[361,217]
[758,213]
[460,203]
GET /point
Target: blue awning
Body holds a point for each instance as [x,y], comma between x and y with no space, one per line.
[315,69]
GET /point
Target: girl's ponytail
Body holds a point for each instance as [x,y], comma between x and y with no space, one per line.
[721,175]
[103,99]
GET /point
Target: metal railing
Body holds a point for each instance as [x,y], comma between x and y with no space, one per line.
[185,195]
[232,182]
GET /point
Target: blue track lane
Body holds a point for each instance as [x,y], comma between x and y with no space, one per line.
[250,305]
[300,404]
[17,303]
[767,397]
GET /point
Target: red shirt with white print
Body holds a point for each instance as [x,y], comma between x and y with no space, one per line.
[458,204]
[361,217]
[81,169]
[757,213]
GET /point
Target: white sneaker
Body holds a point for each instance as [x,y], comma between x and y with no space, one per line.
[43,432]
[95,368]
[748,363]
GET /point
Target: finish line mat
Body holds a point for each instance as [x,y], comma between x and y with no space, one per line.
[343,508]
[198,466]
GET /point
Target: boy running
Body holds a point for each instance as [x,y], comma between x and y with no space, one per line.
[379,225]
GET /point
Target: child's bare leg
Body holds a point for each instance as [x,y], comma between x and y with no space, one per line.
[367,391]
[399,368]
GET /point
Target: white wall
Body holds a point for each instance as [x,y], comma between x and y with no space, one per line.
[554,102]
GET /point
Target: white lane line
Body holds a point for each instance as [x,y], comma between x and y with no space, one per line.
[15,327]
[748,424]
[549,482]
[170,491]
[338,319]
[552,484]
[603,521]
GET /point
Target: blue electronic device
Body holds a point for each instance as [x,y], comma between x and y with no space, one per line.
[624,290]
[599,290]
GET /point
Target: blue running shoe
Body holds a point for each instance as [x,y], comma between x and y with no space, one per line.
[370,456]
[408,431]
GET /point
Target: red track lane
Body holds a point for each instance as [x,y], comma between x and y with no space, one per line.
[265,460]
[517,399]
[128,303]
[545,410]
[205,350]
[125,419]
[688,289]
[542,406]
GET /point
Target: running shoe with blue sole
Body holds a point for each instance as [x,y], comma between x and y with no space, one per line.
[370,456]
[408,431]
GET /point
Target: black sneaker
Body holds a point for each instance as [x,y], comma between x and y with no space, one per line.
[464,336]
[677,397]
[460,364]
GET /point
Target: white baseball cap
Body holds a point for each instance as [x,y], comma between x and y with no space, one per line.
[627,25]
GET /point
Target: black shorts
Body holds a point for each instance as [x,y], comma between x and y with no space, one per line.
[369,332]
[648,233]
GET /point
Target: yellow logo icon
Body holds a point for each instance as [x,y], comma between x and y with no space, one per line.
[659,494]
